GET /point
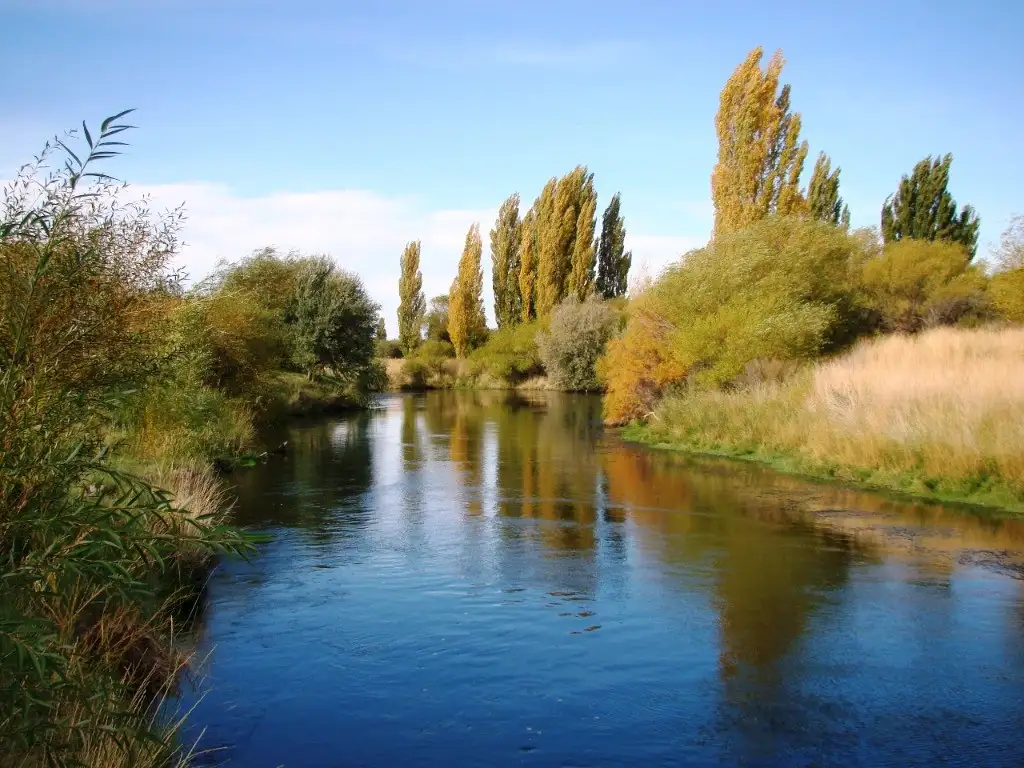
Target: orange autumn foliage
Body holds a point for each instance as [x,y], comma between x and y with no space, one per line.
[638,366]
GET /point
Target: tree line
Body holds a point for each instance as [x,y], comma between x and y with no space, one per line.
[538,259]
[784,277]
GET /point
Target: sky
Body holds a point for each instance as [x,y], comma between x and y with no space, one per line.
[351,128]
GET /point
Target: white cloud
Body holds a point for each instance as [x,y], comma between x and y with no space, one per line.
[362,230]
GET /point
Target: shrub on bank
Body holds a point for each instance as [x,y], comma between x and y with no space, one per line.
[427,366]
[783,288]
[510,355]
[916,284]
[574,341]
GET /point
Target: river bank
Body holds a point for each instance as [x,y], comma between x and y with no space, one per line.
[935,416]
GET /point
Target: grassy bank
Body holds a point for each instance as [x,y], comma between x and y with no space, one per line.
[938,415]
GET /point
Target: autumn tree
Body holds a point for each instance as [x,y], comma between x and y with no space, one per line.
[506,240]
[411,303]
[613,261]
[564,239]
[584,250]
[823,200]
[466,321]
[760,155]
[528,267]
[923,208]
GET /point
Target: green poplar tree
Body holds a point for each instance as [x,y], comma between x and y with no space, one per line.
[823,200]
[506,244]
[923,208]
[412,304]
[613,261]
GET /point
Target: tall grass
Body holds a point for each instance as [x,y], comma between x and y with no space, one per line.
[940,413]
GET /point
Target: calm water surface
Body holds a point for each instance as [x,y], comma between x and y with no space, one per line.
[478,579]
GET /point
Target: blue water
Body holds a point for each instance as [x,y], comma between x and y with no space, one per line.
[467,579]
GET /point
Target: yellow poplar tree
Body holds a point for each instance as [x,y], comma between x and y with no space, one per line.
[565,226]
[466,321]
[528,267]
[584,252]
[760,155]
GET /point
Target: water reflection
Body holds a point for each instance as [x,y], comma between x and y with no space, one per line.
[460,573]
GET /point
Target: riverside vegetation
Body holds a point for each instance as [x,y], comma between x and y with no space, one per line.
[119,390]
[789,338]
[887,356]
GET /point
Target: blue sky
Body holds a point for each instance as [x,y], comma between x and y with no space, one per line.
[352,127]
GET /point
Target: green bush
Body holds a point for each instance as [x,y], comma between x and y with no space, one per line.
[575,341]
[335,321]
[782,288]
[387,349]
[426,366]
[916,284]
[510,354]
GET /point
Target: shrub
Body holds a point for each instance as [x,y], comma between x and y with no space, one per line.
[335,321]
[574,342]
[426,366]
[638,366]
[915,284]
[1007,289]
[84,282]
[510,354]
[387,349]
[782,288]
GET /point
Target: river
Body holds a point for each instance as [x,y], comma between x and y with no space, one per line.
[490,579]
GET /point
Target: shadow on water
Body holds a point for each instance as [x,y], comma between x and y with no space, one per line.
[488,578]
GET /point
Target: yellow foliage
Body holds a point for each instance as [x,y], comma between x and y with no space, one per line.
[1007,289]
[466,305]
[637,367]
[918,283]
[778,289]
[760,157]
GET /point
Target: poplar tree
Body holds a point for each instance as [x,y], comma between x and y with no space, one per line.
[923,208]
[466,321]
[760,155]
[565,238]
[613,261]
[823,200]
[412,305]
[584,249]
[506,243]
[528,267]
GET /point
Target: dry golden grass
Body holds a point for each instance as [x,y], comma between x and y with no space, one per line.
[196,493]
[940,413]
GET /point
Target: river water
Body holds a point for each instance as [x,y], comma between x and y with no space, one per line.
[486,579]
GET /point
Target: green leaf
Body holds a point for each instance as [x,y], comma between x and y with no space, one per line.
[114,118]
